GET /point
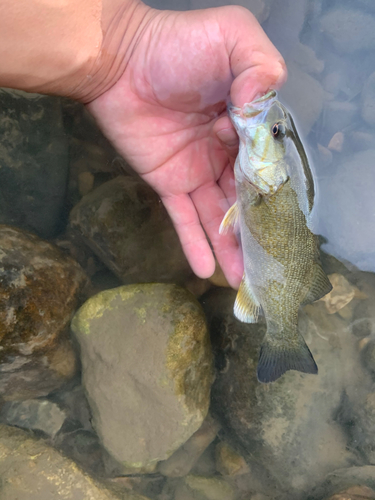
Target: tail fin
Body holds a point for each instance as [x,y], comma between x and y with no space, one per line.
[275,359]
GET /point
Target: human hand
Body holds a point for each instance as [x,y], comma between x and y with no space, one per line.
[166,115]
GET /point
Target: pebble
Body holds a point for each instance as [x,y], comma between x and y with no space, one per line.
[147,370]
[337,142]
[229,462]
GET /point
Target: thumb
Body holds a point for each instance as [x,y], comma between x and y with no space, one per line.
[256,64]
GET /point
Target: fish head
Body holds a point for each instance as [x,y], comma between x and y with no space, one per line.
[262,127]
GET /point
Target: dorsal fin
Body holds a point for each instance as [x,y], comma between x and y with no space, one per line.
[230,219]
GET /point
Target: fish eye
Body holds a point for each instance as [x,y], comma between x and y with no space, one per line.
[275,130]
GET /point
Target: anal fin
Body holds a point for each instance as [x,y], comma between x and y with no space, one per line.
[320,285]
[230,219]
[246,307]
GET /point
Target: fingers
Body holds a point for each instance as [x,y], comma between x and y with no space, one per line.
[227,136]
[193,239]
[211,204]
[256,64]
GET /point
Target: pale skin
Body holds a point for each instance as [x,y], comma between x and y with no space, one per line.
[157,83]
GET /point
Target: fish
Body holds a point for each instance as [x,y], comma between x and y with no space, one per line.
[275,195]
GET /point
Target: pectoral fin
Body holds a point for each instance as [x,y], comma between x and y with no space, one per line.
[320,285]
[246,307]
[230,219]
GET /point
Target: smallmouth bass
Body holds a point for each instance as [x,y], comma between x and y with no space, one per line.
[275,196]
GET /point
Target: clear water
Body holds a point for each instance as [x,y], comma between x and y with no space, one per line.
[303,437]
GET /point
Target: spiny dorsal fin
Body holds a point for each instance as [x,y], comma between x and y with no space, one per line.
[275,359]
[246,307]
[230,219]
[320,285]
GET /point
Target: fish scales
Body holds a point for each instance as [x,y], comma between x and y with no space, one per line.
[275,194]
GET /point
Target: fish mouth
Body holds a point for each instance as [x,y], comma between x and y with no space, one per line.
[254,108]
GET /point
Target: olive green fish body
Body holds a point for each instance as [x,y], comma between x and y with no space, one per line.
[281,257]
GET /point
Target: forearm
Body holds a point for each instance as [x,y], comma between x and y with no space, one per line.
[75,48]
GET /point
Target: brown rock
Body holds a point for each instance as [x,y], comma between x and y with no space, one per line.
[39,292]
[355,493]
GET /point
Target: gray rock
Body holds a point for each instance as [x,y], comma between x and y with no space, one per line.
[346,203]
[34,414]
[368,101]
[33,162]
[146,363]
[284,430]
[349,30]
[124,222]
[294,94]
[338,115]
[260,8]
[183,460]
[31,470]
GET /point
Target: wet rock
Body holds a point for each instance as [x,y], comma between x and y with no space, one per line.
[341,295]
[183,460]
[206,465]
[349,30]
[337,142]
[204,488]
[293,94]
[305,58]
[359,140]
[229,462]
[34,414]
[337,115]
[73,400]
[31,470]
[146,362]
[40,289]
[355,493]
[270,425]
[325,155]
[124,222]
[342,479]
[368,101]
[33,162]
[260,8]
[348,214]
[218,278]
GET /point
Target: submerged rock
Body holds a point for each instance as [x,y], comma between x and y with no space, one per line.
[355,493]
[204,488]
[146,362]
[33,162]
[368,100]
[349,30]
[32,470]
[40,289]
[124,222]
[34,414]
[285,430]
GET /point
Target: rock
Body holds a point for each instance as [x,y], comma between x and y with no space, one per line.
[341,479]
[204,488]
[85,183]
[72,399]
[31,470]
[40,290]
[349,30]
[218,278]
[270,425]
[359,140]
[293,94]
[355,493]
[34,414]
[305,58]
[260,8]
[342,293]
[349,212]
[337,142]
[124,222]
[368,100]
[146,365]
[337,115]
[33,162]
[229,462]
[325,155]
[183,460]
[36,375]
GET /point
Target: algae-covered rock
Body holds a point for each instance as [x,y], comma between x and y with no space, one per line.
[32,470]
[125,223]
[146,362]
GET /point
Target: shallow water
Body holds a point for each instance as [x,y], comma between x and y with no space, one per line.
[106,400]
